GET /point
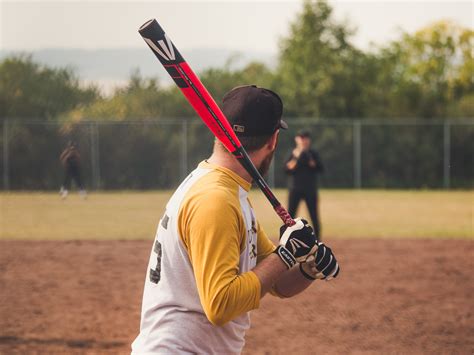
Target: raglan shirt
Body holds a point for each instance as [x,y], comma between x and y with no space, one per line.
[199,287]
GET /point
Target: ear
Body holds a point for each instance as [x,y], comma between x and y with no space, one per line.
[272,142]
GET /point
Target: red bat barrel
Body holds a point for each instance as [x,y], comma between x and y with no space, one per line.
[189,83]
[205,106]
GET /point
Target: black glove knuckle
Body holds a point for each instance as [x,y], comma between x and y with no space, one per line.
[331,267]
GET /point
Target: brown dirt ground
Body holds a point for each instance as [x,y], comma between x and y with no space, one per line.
[392,297]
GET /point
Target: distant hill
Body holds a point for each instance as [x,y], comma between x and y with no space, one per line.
[112,67]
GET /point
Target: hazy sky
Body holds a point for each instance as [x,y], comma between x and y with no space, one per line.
[237,25]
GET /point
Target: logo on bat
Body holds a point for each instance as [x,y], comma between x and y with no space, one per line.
[166,51]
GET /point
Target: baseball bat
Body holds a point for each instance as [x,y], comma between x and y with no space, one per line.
[204,105]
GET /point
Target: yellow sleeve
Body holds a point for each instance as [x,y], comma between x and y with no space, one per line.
[212,229]
[264,245]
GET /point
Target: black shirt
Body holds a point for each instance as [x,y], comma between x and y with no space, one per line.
[304,177]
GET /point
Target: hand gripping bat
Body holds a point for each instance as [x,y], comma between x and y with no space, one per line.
[205,106]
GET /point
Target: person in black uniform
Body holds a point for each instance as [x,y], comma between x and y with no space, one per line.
[71,161]
[303,165]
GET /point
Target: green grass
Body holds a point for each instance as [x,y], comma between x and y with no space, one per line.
[134,215]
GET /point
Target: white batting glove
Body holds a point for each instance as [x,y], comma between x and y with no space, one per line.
[296,242]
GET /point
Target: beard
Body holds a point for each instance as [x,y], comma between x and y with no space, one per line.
[265,164]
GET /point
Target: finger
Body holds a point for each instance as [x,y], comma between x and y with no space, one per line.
[334,273]
[312,253]
[320,254]
[325,260]
[287,232]
[306,223]
[327,270]
[321,273]
[330,267]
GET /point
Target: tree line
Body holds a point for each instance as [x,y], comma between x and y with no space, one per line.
[320,74]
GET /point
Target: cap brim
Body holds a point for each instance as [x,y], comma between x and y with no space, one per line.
[283,124]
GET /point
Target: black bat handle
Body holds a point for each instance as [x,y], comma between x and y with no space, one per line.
[244,160]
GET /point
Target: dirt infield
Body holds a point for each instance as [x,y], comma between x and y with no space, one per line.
[392,297]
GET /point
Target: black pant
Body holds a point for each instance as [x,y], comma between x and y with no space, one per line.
[311,199]
[72,173]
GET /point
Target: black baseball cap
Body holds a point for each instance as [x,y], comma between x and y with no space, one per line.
[253,111]
[303,133]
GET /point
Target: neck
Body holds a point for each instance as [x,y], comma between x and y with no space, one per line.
[228,161]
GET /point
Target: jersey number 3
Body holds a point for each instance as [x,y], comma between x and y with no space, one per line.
[155,274]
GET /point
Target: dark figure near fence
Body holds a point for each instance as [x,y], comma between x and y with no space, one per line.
[71,161]
[303,165]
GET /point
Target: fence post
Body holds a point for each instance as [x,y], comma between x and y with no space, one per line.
[447,154]
[6,173]
[184,150]
[357,154]
[97,157]
[94,148]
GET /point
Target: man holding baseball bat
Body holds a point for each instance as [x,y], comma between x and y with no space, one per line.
[211,261]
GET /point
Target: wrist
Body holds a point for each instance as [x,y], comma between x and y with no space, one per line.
[286,257]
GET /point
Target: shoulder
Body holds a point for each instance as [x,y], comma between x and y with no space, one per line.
[212,195]
[210,207]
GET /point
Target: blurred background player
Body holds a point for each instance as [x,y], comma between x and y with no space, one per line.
[71,161]
[303,166]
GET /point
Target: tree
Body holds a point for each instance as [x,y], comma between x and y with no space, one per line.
[320,72]
[428,73]
[144,98]
[32,91]
[220,80]
[139,99]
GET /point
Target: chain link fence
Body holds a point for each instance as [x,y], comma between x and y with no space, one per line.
[158,154]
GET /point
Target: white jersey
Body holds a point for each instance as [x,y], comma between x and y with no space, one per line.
[198,288]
